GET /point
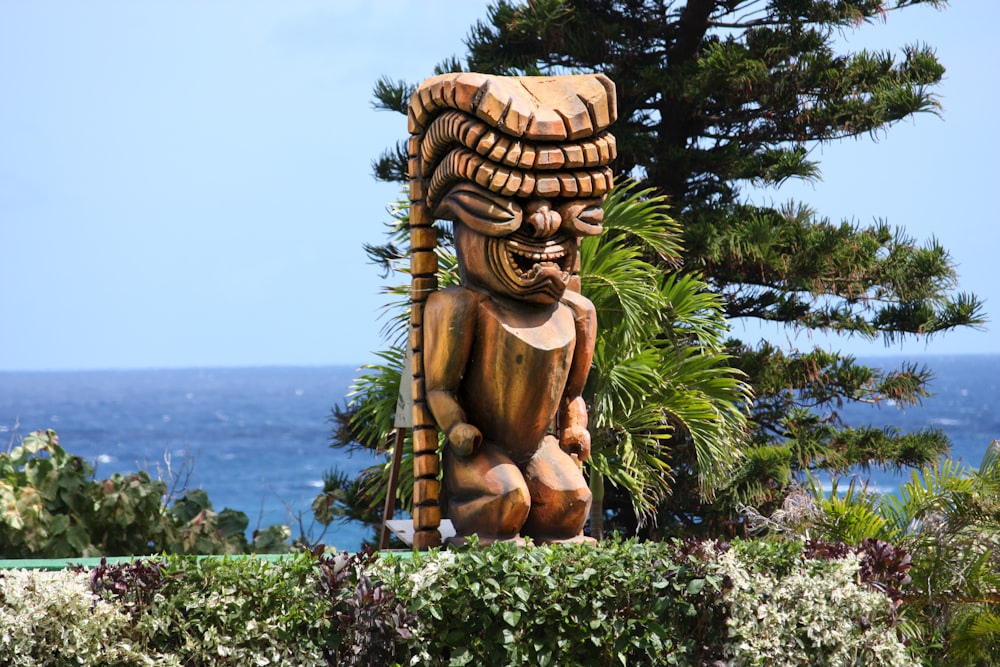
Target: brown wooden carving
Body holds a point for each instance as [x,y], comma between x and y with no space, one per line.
[521,166]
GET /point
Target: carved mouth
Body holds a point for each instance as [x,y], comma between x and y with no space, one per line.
[529,266]
[528,258]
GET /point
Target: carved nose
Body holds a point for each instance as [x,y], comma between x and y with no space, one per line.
[544,220]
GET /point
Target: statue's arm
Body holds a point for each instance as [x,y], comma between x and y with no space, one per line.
[573,435]
[449,332]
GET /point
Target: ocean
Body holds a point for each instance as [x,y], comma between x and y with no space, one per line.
[257,439]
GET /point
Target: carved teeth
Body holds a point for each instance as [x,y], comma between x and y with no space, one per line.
[527,259]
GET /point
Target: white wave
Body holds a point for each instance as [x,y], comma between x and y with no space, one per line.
[315,483]
[945,421]
[843,483]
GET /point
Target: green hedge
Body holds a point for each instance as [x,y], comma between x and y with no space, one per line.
[690,603]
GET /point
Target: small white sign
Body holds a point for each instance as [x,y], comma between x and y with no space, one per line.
[403,529]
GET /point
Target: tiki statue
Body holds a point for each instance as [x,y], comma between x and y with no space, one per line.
[520,166]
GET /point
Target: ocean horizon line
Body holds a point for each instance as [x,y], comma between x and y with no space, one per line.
[867,358]
[149,369]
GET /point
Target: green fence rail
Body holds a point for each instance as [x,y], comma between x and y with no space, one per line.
[88,563]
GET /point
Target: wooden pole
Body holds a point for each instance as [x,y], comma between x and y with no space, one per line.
[390,494]
[426,461]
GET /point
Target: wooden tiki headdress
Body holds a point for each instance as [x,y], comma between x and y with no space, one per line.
[480,147]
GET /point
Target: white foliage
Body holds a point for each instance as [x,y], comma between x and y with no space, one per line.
[53,618]
[817,615]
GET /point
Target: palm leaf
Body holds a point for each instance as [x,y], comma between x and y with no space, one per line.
[658,372]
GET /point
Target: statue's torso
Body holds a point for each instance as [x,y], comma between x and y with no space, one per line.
[517,373]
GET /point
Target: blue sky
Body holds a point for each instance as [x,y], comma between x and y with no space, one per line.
[188,183]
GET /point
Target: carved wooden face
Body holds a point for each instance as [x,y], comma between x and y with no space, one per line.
[533,255]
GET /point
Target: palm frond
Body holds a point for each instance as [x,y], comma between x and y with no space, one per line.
[644,216]
[372,399]
[658,370]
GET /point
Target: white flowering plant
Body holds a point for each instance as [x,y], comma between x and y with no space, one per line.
[53,618]
[787,610]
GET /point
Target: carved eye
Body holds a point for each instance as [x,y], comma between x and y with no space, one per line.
[480,210]
[582,217]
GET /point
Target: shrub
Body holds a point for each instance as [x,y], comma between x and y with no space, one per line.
[933,547]
[369,620]
[785,609]
[309,609]
[238,612]
[569,605]
[52,618]
[681,603]
[52,507]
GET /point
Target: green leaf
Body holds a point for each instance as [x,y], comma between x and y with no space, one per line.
[58,524]
[231,522]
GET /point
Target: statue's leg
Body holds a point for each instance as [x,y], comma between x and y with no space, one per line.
[560,497]
[488,495]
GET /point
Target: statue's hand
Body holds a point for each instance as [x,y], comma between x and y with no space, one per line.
[576,440]
[465,439]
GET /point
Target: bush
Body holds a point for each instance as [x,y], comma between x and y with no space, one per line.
[785,609]
[52,507]
[682,603]
[235,612]
[53,618]
[309,609]
[569,605]
[369,619]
